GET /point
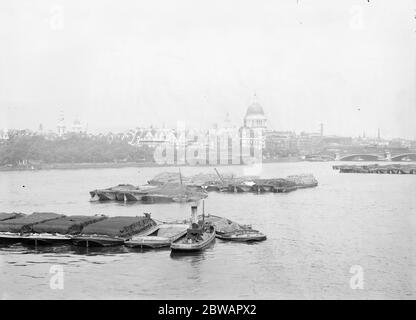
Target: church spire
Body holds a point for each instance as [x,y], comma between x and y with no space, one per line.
[255,97]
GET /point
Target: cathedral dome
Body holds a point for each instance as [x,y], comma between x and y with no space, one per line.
[255,117]
[255,109]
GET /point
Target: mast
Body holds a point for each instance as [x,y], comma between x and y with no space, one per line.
[182,192]
[203,212]
[222,180]
[180,176]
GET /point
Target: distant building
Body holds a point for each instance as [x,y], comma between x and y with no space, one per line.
[61,127]
[280,144]
[77,127]
[4,134]
[413,145]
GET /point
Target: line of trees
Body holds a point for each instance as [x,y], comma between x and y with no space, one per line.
[73,149]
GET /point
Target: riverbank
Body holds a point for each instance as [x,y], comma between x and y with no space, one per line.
[109,165]
[67,166]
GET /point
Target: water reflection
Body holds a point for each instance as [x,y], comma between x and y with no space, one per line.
[63,248]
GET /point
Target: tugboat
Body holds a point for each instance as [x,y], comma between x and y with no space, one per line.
[198,236]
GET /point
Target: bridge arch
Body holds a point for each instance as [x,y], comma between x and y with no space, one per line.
[404,157]
[361,157]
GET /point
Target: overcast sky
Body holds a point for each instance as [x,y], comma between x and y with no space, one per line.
[119,64]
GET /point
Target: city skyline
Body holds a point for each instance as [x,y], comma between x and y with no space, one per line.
[352,69]
[76,124]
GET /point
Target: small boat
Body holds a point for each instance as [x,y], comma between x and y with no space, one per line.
[246,235]
[198,236]
[226,229]
[159,236]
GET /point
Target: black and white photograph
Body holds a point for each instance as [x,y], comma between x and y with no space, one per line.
[207,150]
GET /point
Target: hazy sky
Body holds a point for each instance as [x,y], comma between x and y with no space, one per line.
[119,64]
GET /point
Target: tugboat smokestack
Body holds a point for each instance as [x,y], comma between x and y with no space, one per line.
[194,211]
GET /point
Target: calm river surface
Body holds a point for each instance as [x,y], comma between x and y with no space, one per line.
[314,235]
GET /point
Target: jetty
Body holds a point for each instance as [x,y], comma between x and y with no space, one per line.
[376,168]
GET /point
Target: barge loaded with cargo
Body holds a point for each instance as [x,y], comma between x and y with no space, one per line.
[173,187]
[47,228]
[161,235]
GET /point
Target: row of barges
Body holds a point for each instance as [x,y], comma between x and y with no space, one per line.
[46,228]
[377,169]
[172,187]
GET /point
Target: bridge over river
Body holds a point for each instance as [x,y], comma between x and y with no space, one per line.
[377,157]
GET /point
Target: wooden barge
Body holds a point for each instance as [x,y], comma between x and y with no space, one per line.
[170,192]
[159,236]
[45,228]
[42,228]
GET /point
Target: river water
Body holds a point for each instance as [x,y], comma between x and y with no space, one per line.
[320,240]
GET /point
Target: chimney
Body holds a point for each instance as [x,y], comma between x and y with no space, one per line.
[194,214]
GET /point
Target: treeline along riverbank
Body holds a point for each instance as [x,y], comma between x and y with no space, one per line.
[39,152]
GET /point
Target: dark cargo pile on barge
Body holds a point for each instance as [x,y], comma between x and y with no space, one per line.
[10,215]
[52,228]
[119,226]
[66,225]
[25,224]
